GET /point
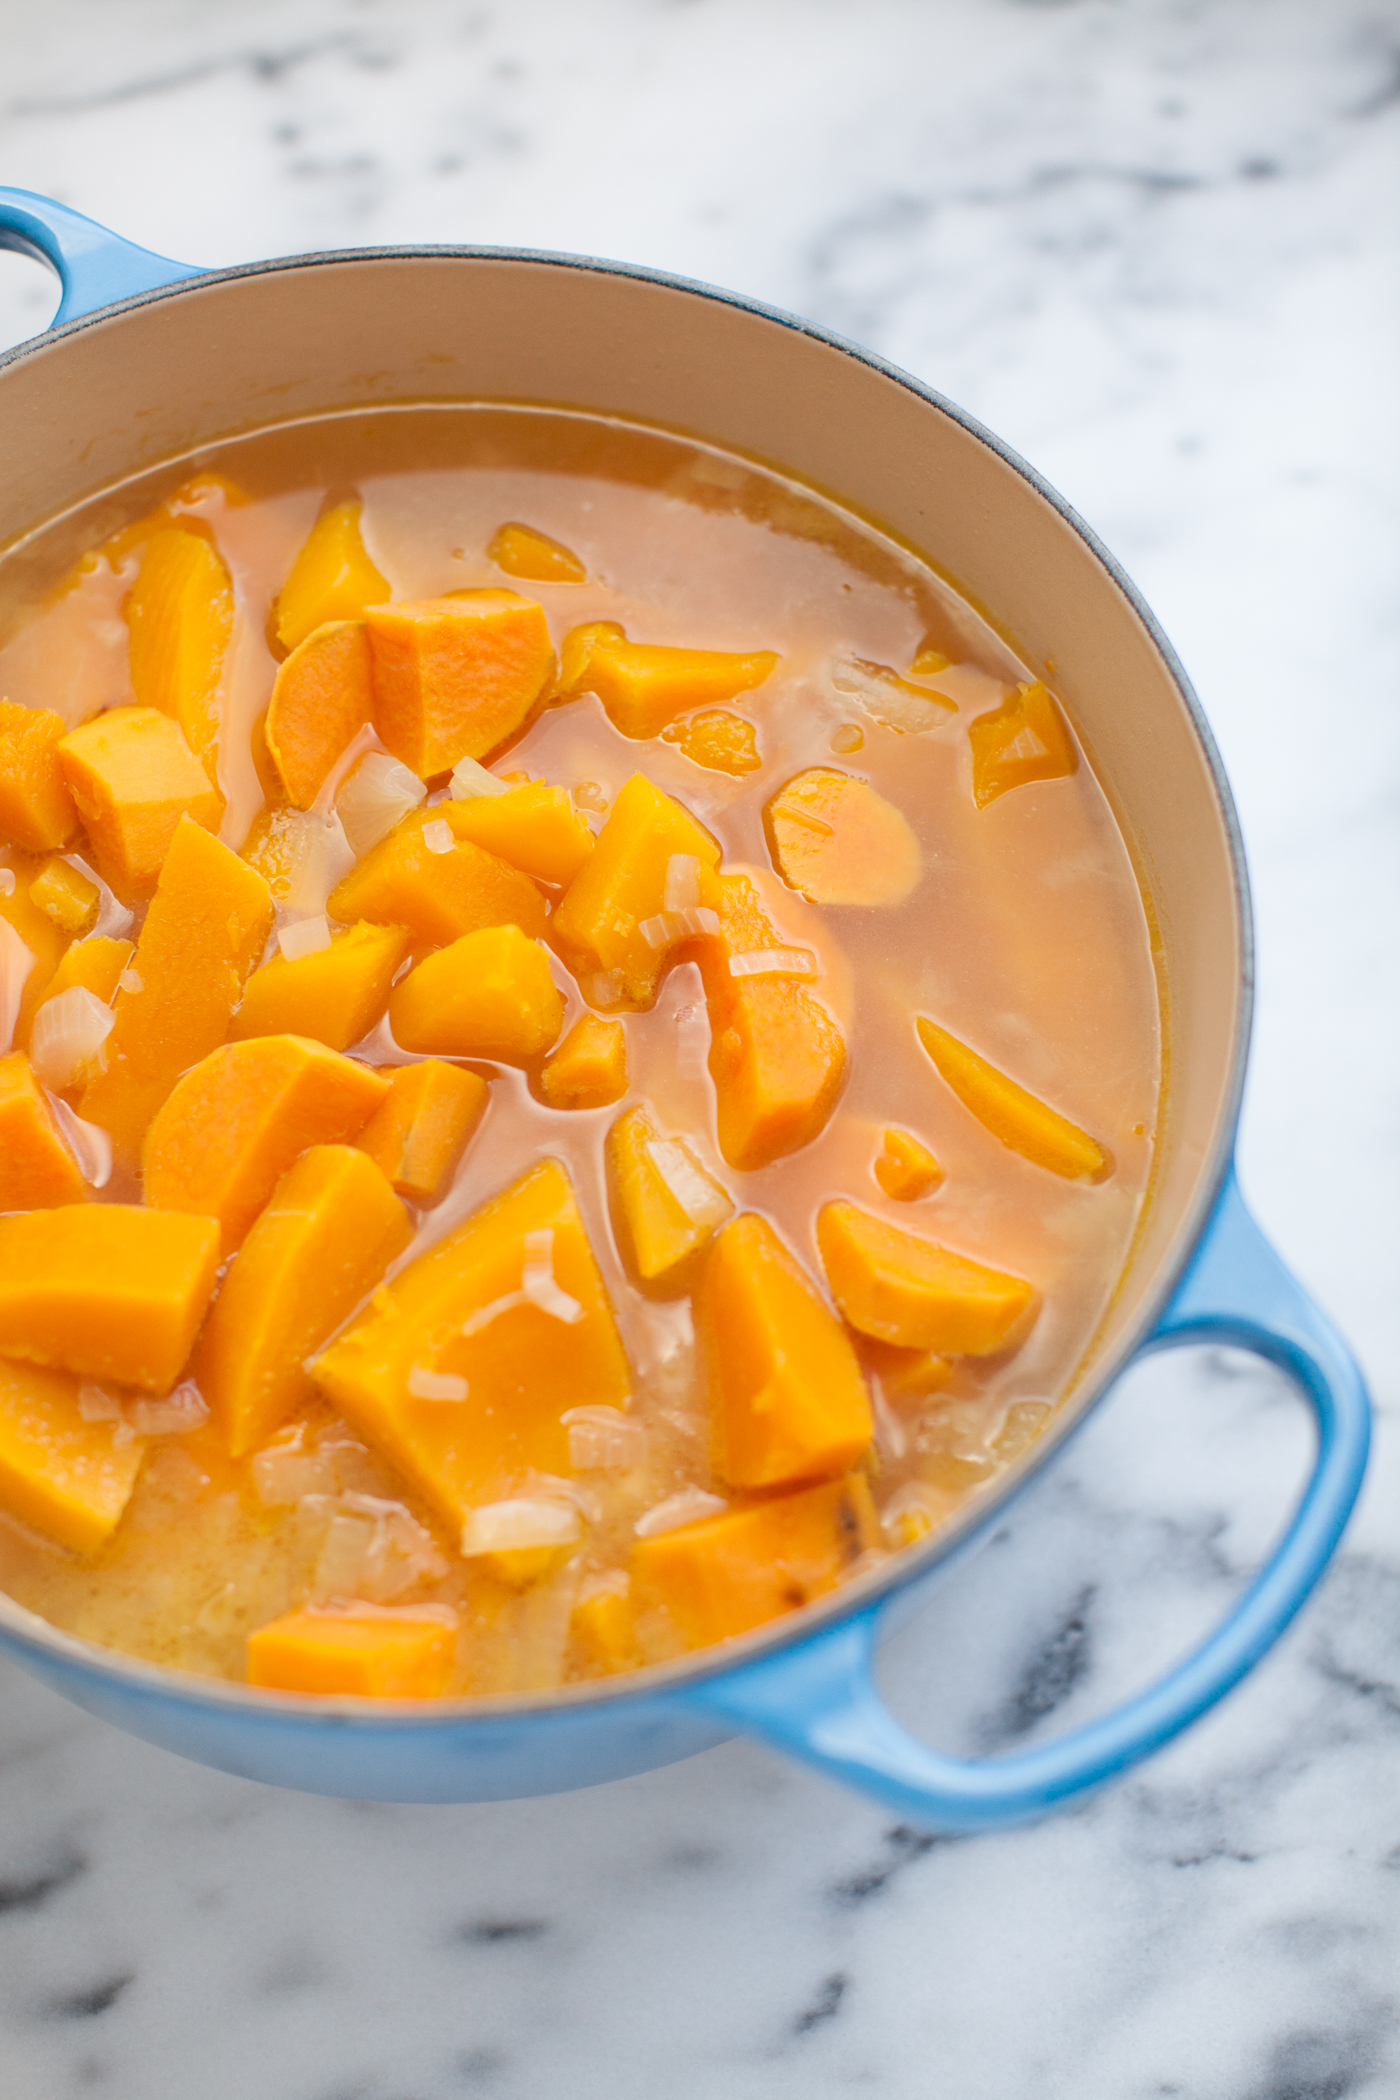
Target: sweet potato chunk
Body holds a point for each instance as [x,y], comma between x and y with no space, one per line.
[454,677]
[420,1130]
[490,995]
[363,1652]
[26,931]
[777,1058]
[335,994]
[332,578]
[906,1169]
[1023,1123]
[643,687]
[106,1289]
[205,929]
[331,1228]
[94,965]
[665,1206]
[64,1477]
[180,617]
[133,776]
[589,1069]
[521,551]
[604,1630]
[899,1288]
[649,884]
[232,1127]
[439,886]
[1024,740]
[37,1170]
[789,1402]
[37,813]
[729,1573]
[65,895]
[906,1374]
[536,828]
[322,696]
[839,842]
[723,742]
[464,1365]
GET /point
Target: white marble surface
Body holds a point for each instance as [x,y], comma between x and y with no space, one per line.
[1152,243]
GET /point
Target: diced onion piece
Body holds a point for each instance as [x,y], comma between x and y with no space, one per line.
[304,937]
[883,694]
[485,1314]
[131,981]
[379,791]
[512,1527]
[671,926]
[537,1282]
[604,988]
[16,962]
[912,1510]
[697,1196]
[470,779]
[7,882]
[176,1415]
[319,855]
[774,962]
[113,918]
[681,891]
[553,1487]
[68,1035]
[341,1561]
[401,1552]
[88,1142]
[96,1404]
[609,1582]
[362,741]
[687,1506]
[588,795]
[437,836]
[426,1384]
[603,1440]
[891,1436]
[283,1475]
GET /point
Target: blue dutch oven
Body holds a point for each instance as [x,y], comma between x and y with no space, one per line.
[148,362]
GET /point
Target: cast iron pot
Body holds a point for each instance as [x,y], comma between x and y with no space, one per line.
[149,360]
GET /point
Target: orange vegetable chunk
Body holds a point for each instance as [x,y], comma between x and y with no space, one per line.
[491,994]
[574,652]
[906,1169]
[133,777]
[180,617]
[37,813]
[777,1058]
[604,1630]
[725,743]
[454,677]
[44,941]
[334,994]
[331,1228]
[65,1477]
[382,1652]
[732,1572]
[589,1069]
[1023,1123]
[420,1130]
[463,1366]
[906,1374]
[94,965]
[643,687]
[633,901]
[535,827]
[321,697]
[789,1402]
[232,1127]
[439,888]
[65,895]
[106,1289]
[665,1206]
[522,551]
[205,928]
[903,1289]
[1024,740]
[37,1170]
[332,578]
[839,842]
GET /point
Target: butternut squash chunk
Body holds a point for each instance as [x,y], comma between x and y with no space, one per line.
[643,687]
[331,1228]
[180,617]
[37,1171]
[133,777]
[730,1573]
[906,1169]
[94,965]
[335,994]
[66,1478]
[332,578]
[716,739]
[439,887]
[490,994]
[206,927]
[522,551]
[106,1289]
[1023,1123]
[420,1130]
[589,1069]
[603,1628]
[44,941]
[66,896]
[37,813]
[906,1374]
[232,1127]
[463,1366]
[454,677]
[839,842]
[666,1208]
[383,1652]
[321,697]
[899,1288]
[535,827]
[788,1399]
[1022,741]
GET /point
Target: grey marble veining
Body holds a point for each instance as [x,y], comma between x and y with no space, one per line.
[1153,245]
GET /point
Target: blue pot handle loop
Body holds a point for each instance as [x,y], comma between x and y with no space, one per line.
[95,267]
[818,1701]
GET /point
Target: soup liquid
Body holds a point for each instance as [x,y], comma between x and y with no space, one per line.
[1026,938]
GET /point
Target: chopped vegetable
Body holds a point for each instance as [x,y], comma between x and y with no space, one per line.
[332,578]
[67,896]
[37,1169]
[438,896]
[454,677]
[333,987]
[420,1130]
[621,886]
[899,1288]
[644,687]
[36,810]
[360,1651]
[491,994]
[180,617]
[666,1206]
[906,1169]
[1023,1123]
[536,828]
[522,551]
[66,1476]
[1023,741]
[839,842]
[589,1069]
[322,697]
[133,776]
[723,742]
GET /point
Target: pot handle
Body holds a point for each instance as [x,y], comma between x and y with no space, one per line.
[95,267]
[818,1700]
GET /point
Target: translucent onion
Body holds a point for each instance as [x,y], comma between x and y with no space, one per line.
[774,962]
[702,1202]
[131,981]
[67,1036]
[681,891]
[7,882]
[88,1142]
[176,1415]
[688,1506]
[537,1283]
[603,1440]
[113,918]
[437,836]
[362,741]
[283,1475]
[883,694]
[512,1527]
[304,937]
[16,962]
[425,1384]
[469,780]
[378,793]
[671,926]
[318,855]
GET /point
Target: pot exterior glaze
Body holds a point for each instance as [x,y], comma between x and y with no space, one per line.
[150,362]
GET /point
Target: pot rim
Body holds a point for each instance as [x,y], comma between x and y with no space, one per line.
[912,1564]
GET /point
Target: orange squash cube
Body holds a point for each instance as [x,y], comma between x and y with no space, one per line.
[322,695]
[489,995]
[332,578]
[66,1478]
[231,1128]
[589,1069]
[37,813]
[133,776]
[666,1208]
[839,842]
[94,965]
[65,895]
[454,677]
[439,886]
[643,687]
[521,551]
[906,1374]
[788,1398]
[535,827]
[1022,741]
[604,1631]
[420,1130]
[716,739]
[334,994]
[363,1652]
[1023,1123]
[906,1169]
[39,938]
[899,1288]
[180,617]
[37,1170]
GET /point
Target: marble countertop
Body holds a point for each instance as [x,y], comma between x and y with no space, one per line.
[1152,244]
